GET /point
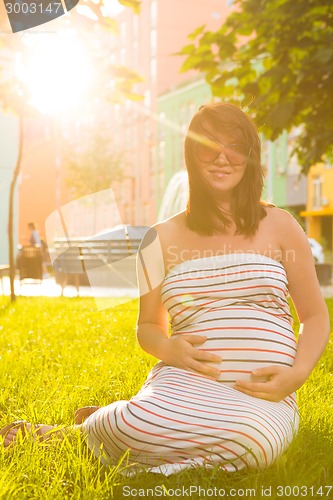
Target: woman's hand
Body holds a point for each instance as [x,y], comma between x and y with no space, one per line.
[281,382]
[180,351]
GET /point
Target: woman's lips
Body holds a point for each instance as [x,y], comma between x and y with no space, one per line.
[220,172]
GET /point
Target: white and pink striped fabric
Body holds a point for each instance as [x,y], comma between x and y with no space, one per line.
[181,419]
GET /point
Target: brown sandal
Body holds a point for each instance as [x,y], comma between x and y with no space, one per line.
[35,431]
[20,424]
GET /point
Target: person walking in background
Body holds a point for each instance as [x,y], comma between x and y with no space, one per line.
[35,239]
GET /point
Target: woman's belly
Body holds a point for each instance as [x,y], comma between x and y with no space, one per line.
[245,339]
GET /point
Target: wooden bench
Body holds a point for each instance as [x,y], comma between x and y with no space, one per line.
[78,256]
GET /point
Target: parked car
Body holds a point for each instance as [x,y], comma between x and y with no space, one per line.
[317,251]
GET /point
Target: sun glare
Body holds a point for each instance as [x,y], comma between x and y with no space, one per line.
[57,71]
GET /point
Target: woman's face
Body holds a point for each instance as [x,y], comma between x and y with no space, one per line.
[222,162]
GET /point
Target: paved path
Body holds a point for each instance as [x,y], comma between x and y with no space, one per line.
[49,288]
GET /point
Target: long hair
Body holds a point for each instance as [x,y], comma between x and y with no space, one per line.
[203,214]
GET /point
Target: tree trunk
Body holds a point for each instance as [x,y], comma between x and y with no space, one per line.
[11,211]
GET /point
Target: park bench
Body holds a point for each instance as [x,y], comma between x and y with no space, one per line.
[77,257]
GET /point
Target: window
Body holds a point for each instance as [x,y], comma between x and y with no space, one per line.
[317,183]
[135,58]
[146,214]
[123,31]
[153,69]
[153,13]
[293,167]
[147,99]
[216,14]
[183,118]
[153,168]
[153,42]
[135,27]
[281,153]
[161,169]
[128,138]
[123,56]
[161,130]
[191,109]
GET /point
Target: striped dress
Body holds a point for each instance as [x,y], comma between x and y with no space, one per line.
[181,419]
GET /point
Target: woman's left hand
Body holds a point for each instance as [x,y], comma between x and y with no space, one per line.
[281,382]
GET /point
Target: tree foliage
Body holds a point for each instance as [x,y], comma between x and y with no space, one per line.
[95,168]
[276,58]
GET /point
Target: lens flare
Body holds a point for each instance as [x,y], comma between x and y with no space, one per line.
[57,71]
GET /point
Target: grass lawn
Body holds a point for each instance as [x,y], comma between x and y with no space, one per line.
[59,354]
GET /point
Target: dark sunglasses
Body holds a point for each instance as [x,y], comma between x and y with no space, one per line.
[207,151]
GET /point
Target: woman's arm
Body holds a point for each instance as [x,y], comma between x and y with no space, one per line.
[311,310]
[306,295]
[152,325]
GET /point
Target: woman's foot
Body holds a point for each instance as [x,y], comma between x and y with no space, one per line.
[40,432]
[83,413]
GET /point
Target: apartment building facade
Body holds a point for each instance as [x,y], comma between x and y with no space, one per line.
[319,208]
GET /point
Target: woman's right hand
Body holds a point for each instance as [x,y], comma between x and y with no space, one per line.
[181,351]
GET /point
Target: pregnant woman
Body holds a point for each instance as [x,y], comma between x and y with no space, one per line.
[223,392]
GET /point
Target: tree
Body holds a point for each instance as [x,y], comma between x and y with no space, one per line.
[14,96]
[95,168]
[276,58]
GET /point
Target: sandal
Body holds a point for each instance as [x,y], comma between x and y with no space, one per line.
[35,431]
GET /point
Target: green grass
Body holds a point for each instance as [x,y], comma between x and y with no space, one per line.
[60,354]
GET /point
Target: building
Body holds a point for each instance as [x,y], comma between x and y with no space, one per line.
[319,207]
[285,185]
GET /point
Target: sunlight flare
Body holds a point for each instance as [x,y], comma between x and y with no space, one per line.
[57,71]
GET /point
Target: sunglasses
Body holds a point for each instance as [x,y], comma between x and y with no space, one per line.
[207,151]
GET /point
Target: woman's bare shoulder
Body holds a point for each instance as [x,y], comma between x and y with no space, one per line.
[280,218]
[291,235]
[170,227]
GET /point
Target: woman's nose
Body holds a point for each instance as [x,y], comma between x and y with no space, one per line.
[221,157]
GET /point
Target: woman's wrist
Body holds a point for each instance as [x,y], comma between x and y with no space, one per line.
[300,374]
[152,339]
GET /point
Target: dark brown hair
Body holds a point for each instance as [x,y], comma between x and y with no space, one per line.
[202,213]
